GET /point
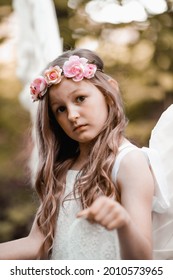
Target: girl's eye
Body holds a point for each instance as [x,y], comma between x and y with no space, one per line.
[61,109]
[80,98]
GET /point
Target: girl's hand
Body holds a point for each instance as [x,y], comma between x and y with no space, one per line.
[106,212]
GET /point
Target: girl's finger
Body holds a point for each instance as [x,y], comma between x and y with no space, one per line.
[83,214]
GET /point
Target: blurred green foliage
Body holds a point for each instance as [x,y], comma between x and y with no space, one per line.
[17,202]
[17,206]
[13,121]
[16,197]
[5,2]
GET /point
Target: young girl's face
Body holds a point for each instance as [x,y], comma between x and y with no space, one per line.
[79,108]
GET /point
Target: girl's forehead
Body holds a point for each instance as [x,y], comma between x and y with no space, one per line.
[68,87]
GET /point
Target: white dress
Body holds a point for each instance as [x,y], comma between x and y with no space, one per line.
[76,238]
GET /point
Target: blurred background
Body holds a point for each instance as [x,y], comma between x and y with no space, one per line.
[135,40]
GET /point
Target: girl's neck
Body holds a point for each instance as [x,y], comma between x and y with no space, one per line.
[81,159]
[79,163]
[84,150]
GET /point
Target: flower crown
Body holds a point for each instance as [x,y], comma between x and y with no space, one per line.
[75,67]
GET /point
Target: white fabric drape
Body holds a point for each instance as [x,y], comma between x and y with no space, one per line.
[38,43]
[162,141]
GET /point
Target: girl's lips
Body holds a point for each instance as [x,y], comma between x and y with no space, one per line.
[79,127]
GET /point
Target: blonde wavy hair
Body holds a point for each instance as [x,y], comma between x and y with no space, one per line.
[57,153]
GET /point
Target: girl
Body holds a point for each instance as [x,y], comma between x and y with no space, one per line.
[95,187]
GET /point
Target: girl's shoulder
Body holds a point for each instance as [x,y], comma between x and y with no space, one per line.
[123,150]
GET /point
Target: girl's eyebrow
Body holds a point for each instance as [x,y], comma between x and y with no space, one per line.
[76,91]
[54,103]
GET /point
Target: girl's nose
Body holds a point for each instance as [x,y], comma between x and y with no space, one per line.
[73,114]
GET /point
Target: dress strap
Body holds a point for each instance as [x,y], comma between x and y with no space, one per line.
[124,149]
[160,199]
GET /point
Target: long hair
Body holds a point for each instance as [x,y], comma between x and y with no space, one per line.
[57,153]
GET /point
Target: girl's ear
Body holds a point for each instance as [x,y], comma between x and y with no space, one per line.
[113,83]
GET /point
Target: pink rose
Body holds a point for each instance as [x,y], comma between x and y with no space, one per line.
[90,70]
[53,75]
[38,88]
[75,68]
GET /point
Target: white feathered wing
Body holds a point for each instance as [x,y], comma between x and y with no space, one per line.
[162,141]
